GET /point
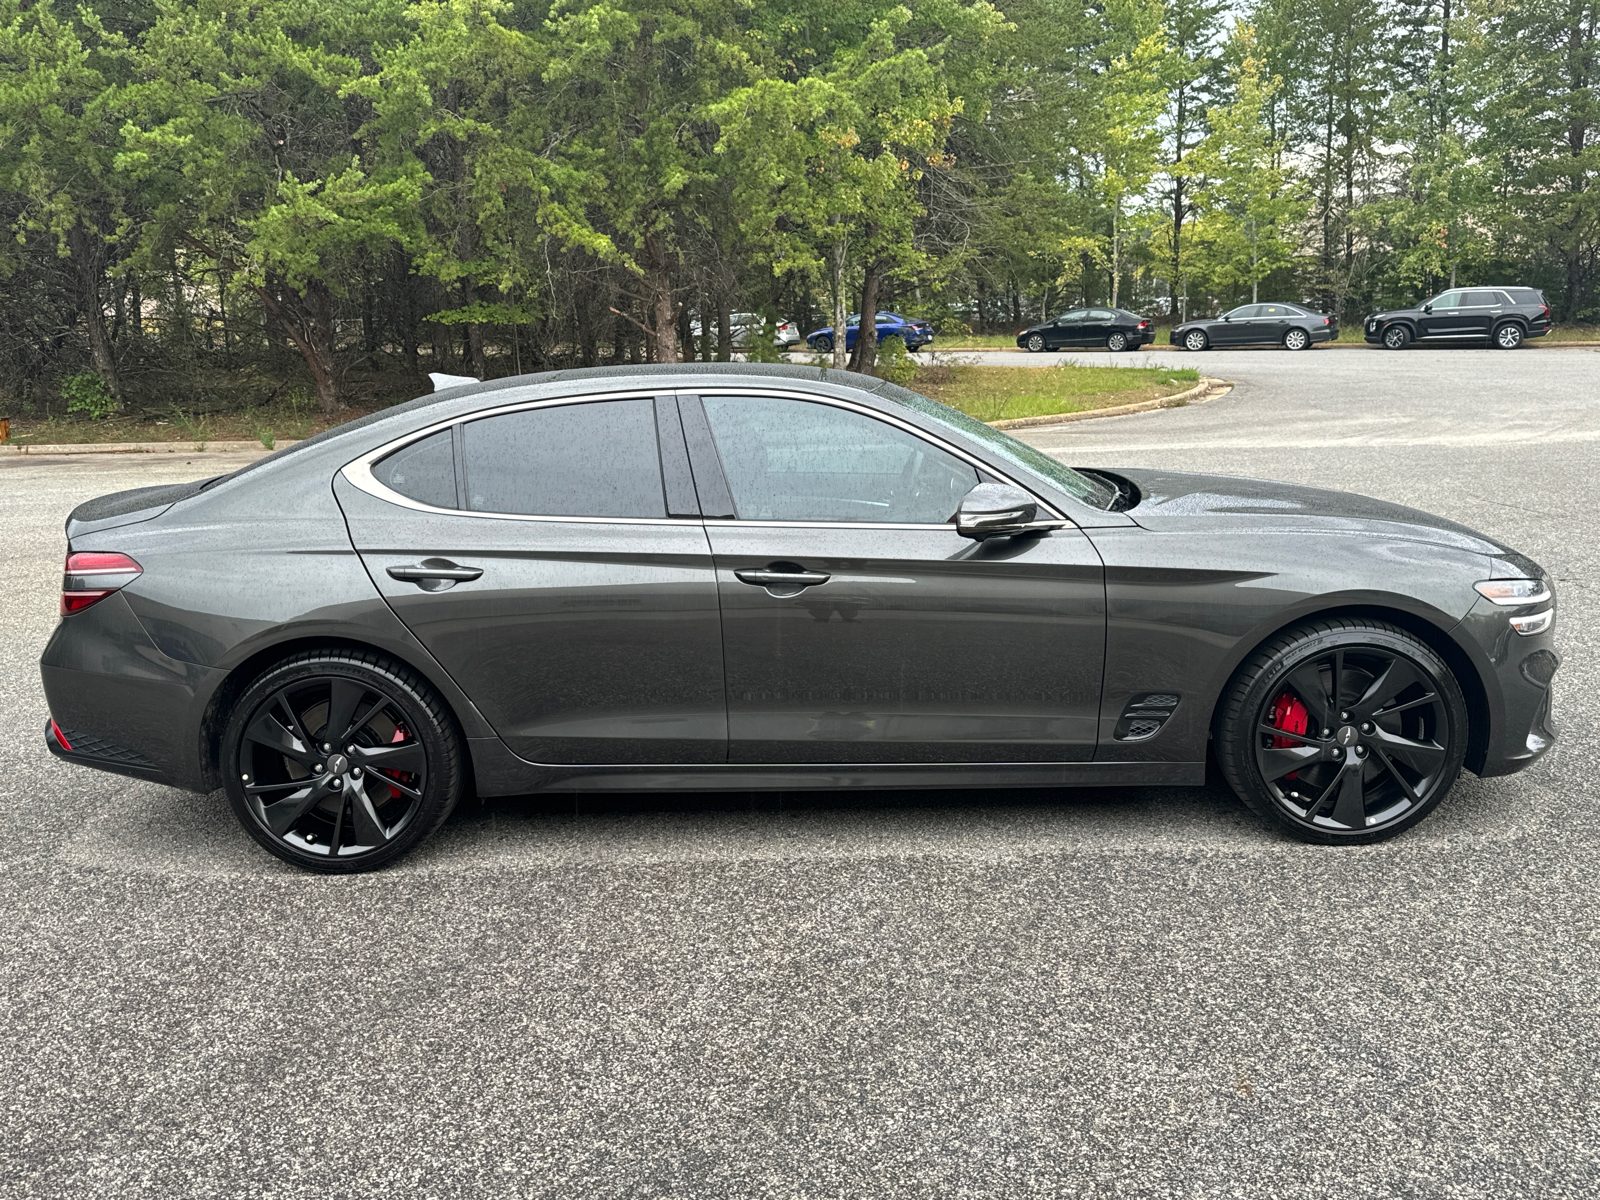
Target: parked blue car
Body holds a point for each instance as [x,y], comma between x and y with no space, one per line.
[915,334]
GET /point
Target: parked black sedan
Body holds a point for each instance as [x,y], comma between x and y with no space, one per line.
[1504,317]
[736,577]
[1287,325]
[1113,328]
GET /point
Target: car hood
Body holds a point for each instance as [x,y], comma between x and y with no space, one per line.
[1170,500]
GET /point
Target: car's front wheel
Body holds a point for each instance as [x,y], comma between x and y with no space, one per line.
[1396,337]
[1296,339]
[1117,341]
[1342,731]
[341,761]
[1035,343]
[1508,336]
[1195,340]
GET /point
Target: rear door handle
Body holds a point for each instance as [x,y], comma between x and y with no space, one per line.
[782,579]
[435,574]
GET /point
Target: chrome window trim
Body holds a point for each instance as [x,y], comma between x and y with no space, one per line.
[903,425]
[358,472]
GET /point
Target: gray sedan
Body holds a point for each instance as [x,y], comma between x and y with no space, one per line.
[701,578]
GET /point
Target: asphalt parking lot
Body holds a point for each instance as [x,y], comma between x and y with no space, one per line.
[1105,993]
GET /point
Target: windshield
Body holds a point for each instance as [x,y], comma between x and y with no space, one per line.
[1093,492]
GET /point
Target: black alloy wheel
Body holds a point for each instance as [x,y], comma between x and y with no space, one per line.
[1396,337]
[340,762]
[1117,342]
[1508,336]
[1296,339]
[1195,340]
[1343,731]
[824,343]
[1035,343]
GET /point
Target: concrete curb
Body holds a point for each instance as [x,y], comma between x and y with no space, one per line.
[143,448]
[1206,389]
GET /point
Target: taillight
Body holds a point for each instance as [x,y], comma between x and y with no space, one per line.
[1327,320]
[1546,308]
[1144,324]
[89,578]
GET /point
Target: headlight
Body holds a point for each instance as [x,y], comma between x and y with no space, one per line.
[1513,593]
[1521,593]
[1537,623]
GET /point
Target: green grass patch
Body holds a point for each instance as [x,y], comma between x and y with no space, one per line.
[1005,393]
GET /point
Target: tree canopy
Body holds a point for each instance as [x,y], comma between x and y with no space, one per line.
[222,200]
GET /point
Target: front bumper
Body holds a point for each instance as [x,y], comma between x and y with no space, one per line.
[1518,686]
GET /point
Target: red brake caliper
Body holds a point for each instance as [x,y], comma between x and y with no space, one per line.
[399,736]
[1289,715]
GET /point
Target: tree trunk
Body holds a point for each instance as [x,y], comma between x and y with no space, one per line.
[865,355]
[724,329]
[1116,249]
[660,316]
[88,262]
[406,311]
[307,321]
[841,335]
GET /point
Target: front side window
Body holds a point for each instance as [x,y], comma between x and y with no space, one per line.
[795,460]
[597,459]
[1243,311]
[1068,318]
[1448,300]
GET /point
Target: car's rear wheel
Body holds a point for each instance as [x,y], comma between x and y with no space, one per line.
[341,761]
[1117,341]
[1035,343]
[1508,336]
[1342,731]
[823,343]
[1396,337]
[1296,339]
[1195,340]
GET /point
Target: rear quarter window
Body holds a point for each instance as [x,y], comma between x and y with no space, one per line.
[424,471]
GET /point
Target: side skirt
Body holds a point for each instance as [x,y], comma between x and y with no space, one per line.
[500,773]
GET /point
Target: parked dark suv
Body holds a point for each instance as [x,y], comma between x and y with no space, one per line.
[1503,316]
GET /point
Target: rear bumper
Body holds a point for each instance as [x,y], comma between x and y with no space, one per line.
[123,705]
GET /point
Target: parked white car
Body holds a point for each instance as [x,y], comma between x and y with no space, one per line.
[746,325]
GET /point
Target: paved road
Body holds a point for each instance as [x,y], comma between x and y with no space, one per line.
[1100,994]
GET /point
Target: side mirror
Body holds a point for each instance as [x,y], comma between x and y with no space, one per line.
[995,510]
[1427,308]
[1227,316]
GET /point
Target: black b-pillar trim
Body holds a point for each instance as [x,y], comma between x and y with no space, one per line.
[715,500]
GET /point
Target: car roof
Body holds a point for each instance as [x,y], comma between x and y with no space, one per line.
[578,380]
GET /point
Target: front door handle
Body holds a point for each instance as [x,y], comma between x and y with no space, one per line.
[435,574]
[782,580]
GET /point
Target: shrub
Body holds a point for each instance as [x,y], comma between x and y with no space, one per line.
[86,393]
[894,363]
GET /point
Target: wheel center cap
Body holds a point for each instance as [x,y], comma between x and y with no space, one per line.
[1347,735]
[339,764]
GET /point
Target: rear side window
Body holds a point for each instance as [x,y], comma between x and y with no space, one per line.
[1102,314]
[424,471]
[790,460]
[572,460]
[1482,300]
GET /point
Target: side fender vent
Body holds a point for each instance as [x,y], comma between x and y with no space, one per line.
[1144,716]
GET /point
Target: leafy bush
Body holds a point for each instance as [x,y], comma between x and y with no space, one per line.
[86,393]
[894,363]
[762,343]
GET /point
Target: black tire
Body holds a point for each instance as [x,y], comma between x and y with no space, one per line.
[1117,341]
[1196,340]
[1297,339]
[824,343]
[1369,773]
[324,810]
[1035,343]
[1508,336]
[1396,337]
